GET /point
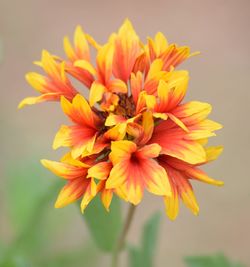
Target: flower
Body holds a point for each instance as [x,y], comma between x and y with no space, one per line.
[133,132]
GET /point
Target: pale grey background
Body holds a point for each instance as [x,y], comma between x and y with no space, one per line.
[220,75]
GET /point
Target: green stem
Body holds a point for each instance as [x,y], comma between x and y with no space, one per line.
[122,237]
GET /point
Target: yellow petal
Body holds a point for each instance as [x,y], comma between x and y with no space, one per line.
[161,43]
[67,158]
[78,111]
[71,192]
[50,65]
[193,112]
[155,67]
[118,176]
[172,204]
[190,201]
[62,137]
[36,80]
[85,65]
[202,176]
[148,126]
[100,170]
[150,101]
[92,41]
[106,197]
[150,151]
[89,194]
[158,115]
[209,125]
[81,44]
[116,133]
[39,99]
[118,86]
[178,122]
[113,119]
[104,60]
[127,49]
[69,51]
[64,170]
[213,152]
[96,92]
[121,150]
[156,178]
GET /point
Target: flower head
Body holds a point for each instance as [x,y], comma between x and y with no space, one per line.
[133,133]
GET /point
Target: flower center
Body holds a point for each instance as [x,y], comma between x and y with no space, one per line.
[126,106]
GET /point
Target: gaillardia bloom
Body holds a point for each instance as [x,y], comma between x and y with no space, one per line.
[133,132]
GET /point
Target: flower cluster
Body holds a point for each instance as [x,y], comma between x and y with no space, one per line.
[132,133]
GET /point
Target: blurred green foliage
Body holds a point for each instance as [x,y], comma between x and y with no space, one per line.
[218,260]
[144,254]
[29,198]
[104,226]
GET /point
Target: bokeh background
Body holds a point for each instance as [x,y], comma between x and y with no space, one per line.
[220,75]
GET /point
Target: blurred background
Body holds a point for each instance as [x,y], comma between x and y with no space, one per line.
[220,76]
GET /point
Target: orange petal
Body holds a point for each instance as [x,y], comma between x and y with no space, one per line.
[136,85]
[155,178]
[116,133]
[173,143]
[141,63]
[127,49]
[85,65]
[121,150]
[177,122]
[104,60]
[172,90]
[173,56]
[81,44]
[50,66]
[148,127]
[117,86]
[89,194]
[81,75]
[39,99]
[114,119]
[64,170]
[198,174]
[188,197]
[100,170]
[184,188]
[118,175]
[172,203]
[78,137]
[192,112]
[150,151]
[71,192]
[79,111]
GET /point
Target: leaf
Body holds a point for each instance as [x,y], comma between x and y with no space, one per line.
[144,256]
[15,261]
[135,259]
[29,194]
[104,226]
[218,260]
[25,186]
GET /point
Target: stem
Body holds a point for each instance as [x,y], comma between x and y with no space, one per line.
[121,240]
